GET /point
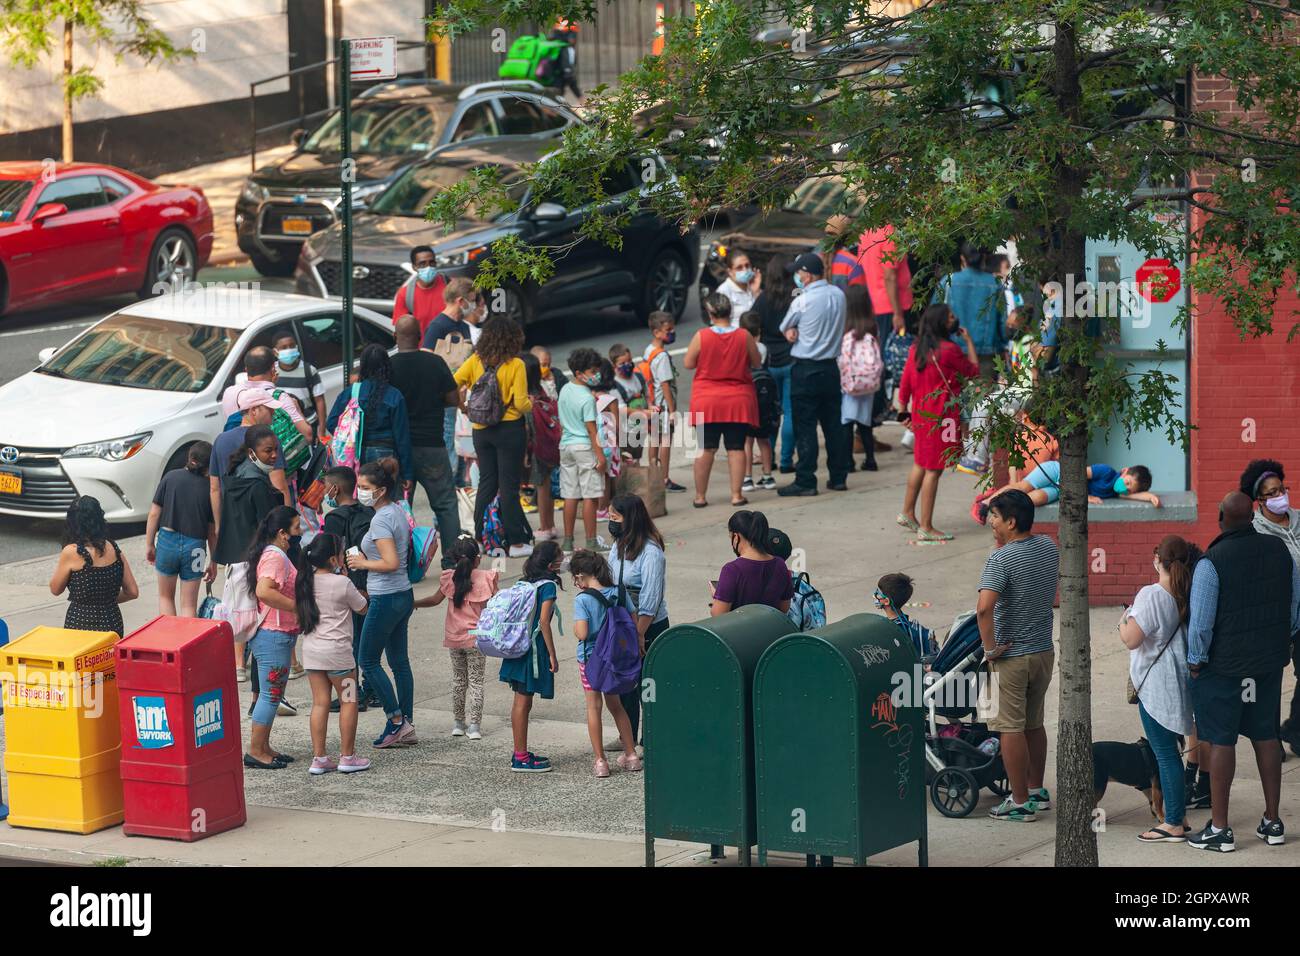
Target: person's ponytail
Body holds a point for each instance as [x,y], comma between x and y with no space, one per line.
[1178,557]
[752,526]
[463,551]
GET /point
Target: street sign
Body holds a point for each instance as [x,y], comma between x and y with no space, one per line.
[373,58]
[1158,280]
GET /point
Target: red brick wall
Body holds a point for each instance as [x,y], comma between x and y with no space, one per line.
[1244,403]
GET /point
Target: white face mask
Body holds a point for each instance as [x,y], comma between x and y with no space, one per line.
[366,497]
[262,466]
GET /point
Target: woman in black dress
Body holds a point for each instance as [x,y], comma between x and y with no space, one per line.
[93,571]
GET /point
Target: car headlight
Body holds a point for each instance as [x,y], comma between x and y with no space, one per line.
[115,449]
[460,257]
[252,192]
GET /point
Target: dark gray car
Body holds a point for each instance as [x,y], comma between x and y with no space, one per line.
[652,271]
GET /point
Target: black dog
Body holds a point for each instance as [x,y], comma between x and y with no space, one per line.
[1133,765]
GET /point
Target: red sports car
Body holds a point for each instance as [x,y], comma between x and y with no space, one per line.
[72,231]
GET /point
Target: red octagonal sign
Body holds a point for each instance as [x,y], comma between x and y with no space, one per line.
[1158,280]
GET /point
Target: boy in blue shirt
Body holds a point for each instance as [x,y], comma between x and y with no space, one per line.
[1043,485]
[893,591]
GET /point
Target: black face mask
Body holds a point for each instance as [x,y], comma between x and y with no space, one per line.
[616,529]
[735,547]
[295,540]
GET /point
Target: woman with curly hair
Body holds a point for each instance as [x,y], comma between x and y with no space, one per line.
[1264,483]
[500,433]
[386,432]
[92,570]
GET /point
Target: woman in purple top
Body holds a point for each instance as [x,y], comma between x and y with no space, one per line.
[755,577]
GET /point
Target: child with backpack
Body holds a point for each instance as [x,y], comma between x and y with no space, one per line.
[633,391]
[582,465]
[349,520]
[861,370]
[326,600]
[601,619]
[807,607]
[534,671]
[543,455]
[656,367]
[607,430]
[769,411]
[469,589]
[893,591]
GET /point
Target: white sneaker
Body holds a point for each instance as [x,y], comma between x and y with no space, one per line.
[520,550]
[458,728]
[473,732]
[241,675]
[747,484]
[551,535]
[286,709]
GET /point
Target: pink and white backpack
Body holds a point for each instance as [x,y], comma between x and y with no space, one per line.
[861,367]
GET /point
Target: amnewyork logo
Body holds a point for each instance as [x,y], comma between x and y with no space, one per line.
[151,728]
[207,718]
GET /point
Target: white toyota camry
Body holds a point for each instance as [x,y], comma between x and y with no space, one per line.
[108,413]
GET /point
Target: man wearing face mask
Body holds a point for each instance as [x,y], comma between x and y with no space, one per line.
[1244,607]
[423,294]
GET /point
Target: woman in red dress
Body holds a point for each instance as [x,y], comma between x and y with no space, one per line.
[723,401]
[932,380]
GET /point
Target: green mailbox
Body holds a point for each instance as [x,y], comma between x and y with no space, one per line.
[698,728]
[840,761]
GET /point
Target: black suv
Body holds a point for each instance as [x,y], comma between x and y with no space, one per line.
[652,271]
[394,126]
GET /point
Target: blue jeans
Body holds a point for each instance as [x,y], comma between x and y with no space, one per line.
[1164,744]
[273,652]
[782,375]
[449,437]
[385,633]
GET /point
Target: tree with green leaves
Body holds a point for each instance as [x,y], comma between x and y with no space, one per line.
[1043,121]
[28,29]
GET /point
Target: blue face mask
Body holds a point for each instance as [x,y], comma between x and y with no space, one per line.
[798,279]
[670,338]
[426,274]
[1120,487]
[329,503]
[289,356]
[745,276]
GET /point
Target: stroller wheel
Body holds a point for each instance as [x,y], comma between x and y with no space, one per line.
[954,792]
[1001,786]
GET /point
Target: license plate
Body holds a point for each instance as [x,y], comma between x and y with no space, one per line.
[11,483]
[296,226]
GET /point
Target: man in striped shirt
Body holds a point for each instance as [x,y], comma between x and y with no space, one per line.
[1016,594]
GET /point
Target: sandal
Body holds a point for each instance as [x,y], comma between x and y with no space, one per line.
[254,764]
[1157,835]
[942,537]
[905,522]
[741,503]
[699,504]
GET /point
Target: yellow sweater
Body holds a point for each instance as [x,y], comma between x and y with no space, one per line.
[512,380]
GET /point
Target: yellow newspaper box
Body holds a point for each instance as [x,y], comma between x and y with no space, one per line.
[63,742]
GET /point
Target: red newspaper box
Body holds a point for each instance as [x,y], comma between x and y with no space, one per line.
[182,758]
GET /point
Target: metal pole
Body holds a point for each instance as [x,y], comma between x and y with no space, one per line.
[252,126]
[345,101]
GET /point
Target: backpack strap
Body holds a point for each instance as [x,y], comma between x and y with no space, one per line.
[410,295]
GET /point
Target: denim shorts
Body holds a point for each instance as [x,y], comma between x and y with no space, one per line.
[179,555]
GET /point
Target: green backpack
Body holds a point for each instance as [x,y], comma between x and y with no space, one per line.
[295,448]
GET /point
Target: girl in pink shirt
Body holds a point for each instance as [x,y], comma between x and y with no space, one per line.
[469,589]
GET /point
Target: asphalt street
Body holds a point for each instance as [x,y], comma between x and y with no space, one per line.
[23,336]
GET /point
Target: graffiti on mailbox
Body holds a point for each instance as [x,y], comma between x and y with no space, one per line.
[899,738]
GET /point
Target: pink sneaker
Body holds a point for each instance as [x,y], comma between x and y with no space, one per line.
[630,763]
[406,736]
[600,768]
[602,514]
[320,765]
[353,764]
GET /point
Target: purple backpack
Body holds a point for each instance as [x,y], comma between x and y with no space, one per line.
[614,666]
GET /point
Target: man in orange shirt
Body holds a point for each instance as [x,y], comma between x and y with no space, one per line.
[422,294]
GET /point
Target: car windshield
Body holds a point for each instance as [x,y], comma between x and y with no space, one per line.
[136,352]
[418,186]
[13,193]
[382,129]
[819,198]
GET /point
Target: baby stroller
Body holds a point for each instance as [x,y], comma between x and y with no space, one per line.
[961,756]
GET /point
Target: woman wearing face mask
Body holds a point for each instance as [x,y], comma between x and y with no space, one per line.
[247,494]
[637,559]
[273,553]
[742,284]
[383,557]
[1154,629]
[756,576]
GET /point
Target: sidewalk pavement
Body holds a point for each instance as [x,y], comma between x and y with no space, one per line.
[221,182]
[452,801]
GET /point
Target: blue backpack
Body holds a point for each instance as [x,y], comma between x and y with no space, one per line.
[493,540]
[807,607]
[614,665]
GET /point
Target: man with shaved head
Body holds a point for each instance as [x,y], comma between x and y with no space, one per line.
[1245,605]
[426,383]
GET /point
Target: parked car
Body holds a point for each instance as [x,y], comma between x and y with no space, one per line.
[798,226]
[652,271]
[76,231]
[394,126]
[108,413]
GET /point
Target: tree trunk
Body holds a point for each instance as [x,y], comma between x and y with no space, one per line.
[67,90]
[1076,841]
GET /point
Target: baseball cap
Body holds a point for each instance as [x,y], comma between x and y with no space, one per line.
[808,260]
[252,397]
[778,544]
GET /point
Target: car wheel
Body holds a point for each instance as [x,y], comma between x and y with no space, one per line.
[280,267]
[173,262]
[667,283]
[511,302]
